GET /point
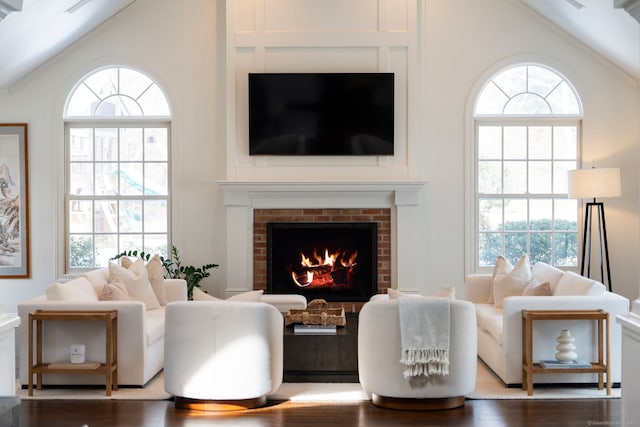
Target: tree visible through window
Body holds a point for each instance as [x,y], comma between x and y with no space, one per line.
[117,174]
[527,132]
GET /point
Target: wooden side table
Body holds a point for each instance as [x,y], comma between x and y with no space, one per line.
[109,368]
[601,367]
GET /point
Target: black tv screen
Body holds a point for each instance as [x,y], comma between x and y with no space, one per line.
[314,114]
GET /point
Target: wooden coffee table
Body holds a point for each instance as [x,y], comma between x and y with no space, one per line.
[600,367]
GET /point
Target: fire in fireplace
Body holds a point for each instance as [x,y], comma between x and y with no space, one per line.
[333,261]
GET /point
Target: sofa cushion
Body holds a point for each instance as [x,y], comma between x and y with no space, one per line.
[115,291]
[250,296]
[512,283]
[489,319]
[200,295]
[547,273]
[500,269]
[537,289]
[98,278]
[136,280]
[155,326]
[78,289]
[155,271]
[575,284]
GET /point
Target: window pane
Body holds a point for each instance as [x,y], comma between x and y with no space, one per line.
[565,142]
[80,216]
[81,144]
[104,82]
[106,179]
[515,245]
[560,180]
[117,105]
[540,214]
[106,248]
[491,101]
[566,249]
[541,248]
[512,81]
[156,244]
[106,144]
[155,216]
[130,216]
[80,251]
[566,214]
[130,242]
[515,142]
[155,144]
[563,100]
[82,102]
[490,246]
[154,103]
[490,177]
[540,177]
[131,179]
[542,81]
[81,179]
[133,83]
[515,177]
[156,179]
[106,216]
[515,215]
[490,214]
[130,144]
[540,142]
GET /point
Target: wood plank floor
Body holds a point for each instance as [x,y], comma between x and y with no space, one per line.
[481,413]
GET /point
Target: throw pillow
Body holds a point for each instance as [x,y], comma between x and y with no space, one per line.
[251,296]
[78,289]
[514,282]
[394,294]
[449,292]
[537,289]
[500,269]
[575,284]
[114,291]
[155,270]
[199,295]
[136,280]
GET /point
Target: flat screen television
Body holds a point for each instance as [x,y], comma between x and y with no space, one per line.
[315,114]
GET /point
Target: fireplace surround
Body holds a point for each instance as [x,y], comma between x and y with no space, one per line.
[402,199]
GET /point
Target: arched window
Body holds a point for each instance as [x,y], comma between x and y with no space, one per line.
[527,133]
[117,137]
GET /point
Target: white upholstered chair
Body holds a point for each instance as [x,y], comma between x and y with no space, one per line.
[379,354]
[222,355]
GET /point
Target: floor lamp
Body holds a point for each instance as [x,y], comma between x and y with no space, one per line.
[594,183]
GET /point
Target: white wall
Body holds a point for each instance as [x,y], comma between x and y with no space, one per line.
[452,45]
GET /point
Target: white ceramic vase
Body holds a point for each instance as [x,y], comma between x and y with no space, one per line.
[566,349]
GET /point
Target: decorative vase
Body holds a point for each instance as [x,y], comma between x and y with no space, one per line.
[566,349]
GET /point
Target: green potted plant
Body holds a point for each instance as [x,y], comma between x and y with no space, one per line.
[174,268]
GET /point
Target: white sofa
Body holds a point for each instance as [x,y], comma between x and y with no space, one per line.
[500,328]
[379,353]
[140,331]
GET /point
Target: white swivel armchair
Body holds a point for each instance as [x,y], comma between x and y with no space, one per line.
[379,354]
[222,355]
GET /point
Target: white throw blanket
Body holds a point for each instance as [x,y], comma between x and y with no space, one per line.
[424,334]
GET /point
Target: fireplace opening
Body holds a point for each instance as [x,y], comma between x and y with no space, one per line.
[333,261]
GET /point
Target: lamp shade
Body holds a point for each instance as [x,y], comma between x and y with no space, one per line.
[592,183]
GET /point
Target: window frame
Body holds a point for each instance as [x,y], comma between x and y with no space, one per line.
[473,197]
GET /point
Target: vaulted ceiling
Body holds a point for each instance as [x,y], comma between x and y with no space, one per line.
[33,31]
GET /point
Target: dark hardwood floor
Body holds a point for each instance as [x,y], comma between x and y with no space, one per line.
[483,413]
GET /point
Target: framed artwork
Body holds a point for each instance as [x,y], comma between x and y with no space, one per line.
[14,198]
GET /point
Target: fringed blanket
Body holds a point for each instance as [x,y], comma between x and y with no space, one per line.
[424,332]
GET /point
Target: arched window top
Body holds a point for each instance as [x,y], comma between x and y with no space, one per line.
[117,92]
[528,90]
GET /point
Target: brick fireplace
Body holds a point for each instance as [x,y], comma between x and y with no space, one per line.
[396,207]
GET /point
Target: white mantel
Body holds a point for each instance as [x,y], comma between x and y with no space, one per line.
[404,198]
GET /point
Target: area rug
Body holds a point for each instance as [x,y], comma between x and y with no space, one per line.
[488,386]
